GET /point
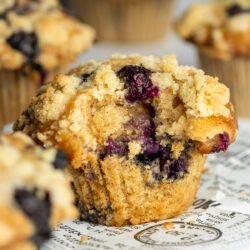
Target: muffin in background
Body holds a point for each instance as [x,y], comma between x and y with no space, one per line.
[137,131]
[37,41]
[221,32]
[35,192]
[126,20]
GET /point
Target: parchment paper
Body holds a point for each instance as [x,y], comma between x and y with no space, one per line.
[219,218]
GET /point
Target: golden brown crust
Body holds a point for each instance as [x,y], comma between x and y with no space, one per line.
[206,129]
[215,31]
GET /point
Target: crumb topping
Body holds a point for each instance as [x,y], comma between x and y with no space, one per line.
[40,32]
[25,166]
[105,109]
[220,28]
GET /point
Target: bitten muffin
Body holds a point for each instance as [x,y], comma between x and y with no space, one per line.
[220,30]
[37,41]
[137,131]
[35,193]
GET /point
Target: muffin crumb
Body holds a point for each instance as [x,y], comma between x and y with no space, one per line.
[84,238]
[168,225]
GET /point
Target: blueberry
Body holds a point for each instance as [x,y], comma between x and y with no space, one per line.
[4,14]
[144,124]
[236,9]
[38,210]
[146,128]
[224,142]
[61,160]
[24,7]
[26,43]
[138,82]
[85,77]
[118,146]
[176,167]
[172,168]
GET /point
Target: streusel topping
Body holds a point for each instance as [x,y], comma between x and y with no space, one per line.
[24,165]
[218,27]
[38,32]
[130,105]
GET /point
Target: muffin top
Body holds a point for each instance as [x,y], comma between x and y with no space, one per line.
[136,101]
[27,167]
[220,28]
[38,32]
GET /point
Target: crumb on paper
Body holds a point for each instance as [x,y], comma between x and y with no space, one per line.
[192,222]
[168,225]
[207,170]
[84,238]
[247,193]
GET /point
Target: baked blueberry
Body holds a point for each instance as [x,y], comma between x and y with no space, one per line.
[61,160]
[223,143]
[138,82]
[26,43]
[236,9]
[38,210]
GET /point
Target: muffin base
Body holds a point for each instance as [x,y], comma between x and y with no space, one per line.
[17,89]
[235,73]
[121,196]
[119,20]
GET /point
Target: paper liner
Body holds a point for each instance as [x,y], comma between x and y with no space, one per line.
[235,73]
[17,89]
[122,196]
[126,20]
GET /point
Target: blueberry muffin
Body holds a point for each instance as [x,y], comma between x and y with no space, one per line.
[37,40]
[125,20]
[220,30]
[137,131]
[35,193]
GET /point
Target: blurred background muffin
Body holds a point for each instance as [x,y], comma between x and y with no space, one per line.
[35,192]
[37,40]
[221,32]
[125,20]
